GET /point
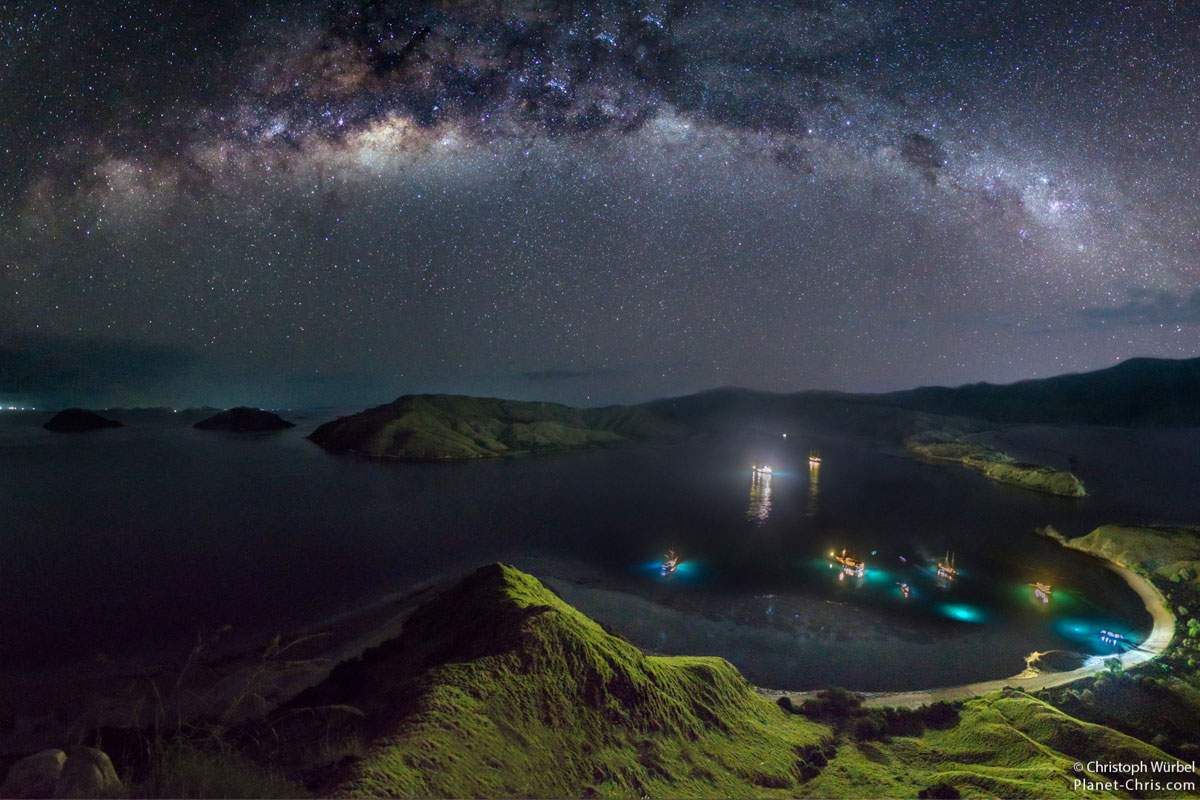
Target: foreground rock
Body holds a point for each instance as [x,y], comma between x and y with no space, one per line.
[79,420]
[244,420]
[78,772]
[446,427]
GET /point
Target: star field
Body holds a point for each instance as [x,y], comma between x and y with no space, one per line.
[589,201]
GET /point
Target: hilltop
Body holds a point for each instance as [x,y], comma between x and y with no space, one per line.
[243,419]
[443,427]
[1140,392]
[79,420]
[497,688]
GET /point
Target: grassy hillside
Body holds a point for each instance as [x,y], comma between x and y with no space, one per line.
[1172,553]
[995,465]
[435,427]
[1005,744]
[497,688]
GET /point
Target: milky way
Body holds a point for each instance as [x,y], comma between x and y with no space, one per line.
[590,201]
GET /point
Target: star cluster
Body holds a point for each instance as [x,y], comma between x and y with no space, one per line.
[590,200]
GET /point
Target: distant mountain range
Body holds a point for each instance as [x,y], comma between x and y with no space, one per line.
[432,427]
[1140,392]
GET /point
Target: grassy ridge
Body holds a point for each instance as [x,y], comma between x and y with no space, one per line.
[497,688]
[1138,392]
[1172,553]
[994,464]
[1005,744]
[437,427]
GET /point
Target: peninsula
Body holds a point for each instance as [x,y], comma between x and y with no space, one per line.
[440,427]
[994,464]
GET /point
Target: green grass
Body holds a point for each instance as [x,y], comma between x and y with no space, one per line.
[497,688]
[1172,553]
[994,464]
[1005,744]
[449,427]
[185,769]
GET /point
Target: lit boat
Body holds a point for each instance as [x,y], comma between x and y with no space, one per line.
[905,588]
[763,470]
[946,569]
[1111,637]
[850,566]
[814,458]
[670,562]
[1041,591]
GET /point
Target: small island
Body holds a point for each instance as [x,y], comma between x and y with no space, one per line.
[440,427]
[79,420]
[243,419]
[994,464]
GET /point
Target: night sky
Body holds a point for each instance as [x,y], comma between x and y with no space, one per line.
[589,201]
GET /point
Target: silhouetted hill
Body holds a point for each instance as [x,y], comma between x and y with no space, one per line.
[1140,392]
[79,420]
[243,419]
[439,426]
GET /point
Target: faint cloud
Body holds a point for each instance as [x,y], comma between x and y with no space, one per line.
[1147,307]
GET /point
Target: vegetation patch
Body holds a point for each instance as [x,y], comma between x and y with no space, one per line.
[1158,701]
[994,464]
[452,427]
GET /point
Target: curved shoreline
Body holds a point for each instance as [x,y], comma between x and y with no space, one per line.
[1161,633]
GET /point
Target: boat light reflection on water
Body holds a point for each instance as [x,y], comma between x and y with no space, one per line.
[814,480]
[760,494]
[683,570]
[1089,631]
[1041,591]
[962,612]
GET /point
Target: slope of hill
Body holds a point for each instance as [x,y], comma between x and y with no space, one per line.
[436,427]
[497,688]
[1140,392]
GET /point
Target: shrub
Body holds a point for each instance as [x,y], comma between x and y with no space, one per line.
[939,790]
[870,726]
[904,722]
[833,703]
[939,715]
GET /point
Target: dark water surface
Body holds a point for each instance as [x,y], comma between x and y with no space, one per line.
[127,542]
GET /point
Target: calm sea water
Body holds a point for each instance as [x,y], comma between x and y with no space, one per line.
[126,543]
